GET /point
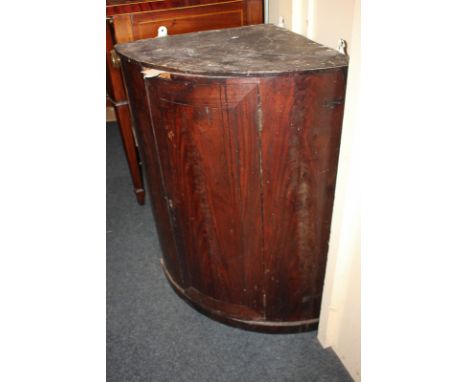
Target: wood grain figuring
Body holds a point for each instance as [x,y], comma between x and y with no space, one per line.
[253,11]
[247,171]
[132,6]
[123,28]
[146,137]
[130,20]
[195,123]
[177,21]
[304,182]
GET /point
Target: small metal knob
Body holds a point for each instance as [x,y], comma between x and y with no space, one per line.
[115,59]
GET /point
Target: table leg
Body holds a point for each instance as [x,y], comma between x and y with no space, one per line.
[122,113]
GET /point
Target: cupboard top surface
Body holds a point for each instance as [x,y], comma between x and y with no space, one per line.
[256,50]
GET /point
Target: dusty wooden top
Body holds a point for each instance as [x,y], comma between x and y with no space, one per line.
[255,50]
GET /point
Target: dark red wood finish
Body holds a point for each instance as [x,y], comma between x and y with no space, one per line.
[242,173]
[130,20]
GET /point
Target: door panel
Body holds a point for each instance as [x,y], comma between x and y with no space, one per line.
[211,171]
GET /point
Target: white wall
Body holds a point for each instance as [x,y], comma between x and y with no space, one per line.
[340,320]
[299,19]
[330,20]
[326,21]
[279,8]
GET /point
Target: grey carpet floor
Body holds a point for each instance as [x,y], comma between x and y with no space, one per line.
[153,336]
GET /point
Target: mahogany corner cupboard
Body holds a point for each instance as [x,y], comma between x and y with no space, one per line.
[240,131]
[130,20]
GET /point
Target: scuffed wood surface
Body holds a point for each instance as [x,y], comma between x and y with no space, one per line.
[256,50]
[242,169]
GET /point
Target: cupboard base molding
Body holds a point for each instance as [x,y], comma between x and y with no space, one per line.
[196,301]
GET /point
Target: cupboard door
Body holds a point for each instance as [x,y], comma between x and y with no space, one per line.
[208,144]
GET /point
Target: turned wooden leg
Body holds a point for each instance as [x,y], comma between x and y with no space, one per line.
[122,113]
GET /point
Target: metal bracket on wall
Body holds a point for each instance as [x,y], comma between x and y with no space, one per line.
[162,32]
[342,46]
